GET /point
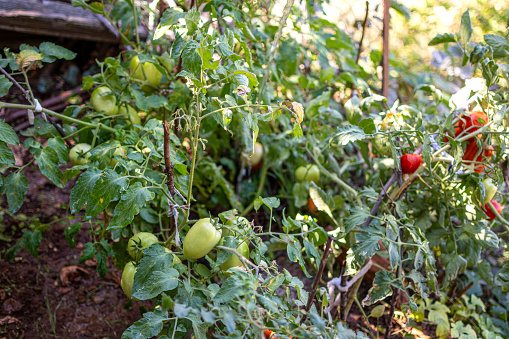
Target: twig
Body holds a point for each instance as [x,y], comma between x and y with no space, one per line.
[463,291]
[25,93]
[378,202]
[351,297]
[363,32]
[336,282]
[385,52]
[391,313]
[311,297]
[273,48]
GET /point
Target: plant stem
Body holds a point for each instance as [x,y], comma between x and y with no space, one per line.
[58,115]
[263,175]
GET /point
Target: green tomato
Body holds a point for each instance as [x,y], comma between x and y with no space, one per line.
[256,157]
[139,242]
[118,151]
[146,72]
[132,116]
[234,261]
[176,260]
[201,239]
[79,154]
[490,189]
[104,100]
[308,173]
[128,279]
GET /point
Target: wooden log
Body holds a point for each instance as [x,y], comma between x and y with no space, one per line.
[54,18]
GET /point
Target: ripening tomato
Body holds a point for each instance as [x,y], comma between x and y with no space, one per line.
[139,242]
[490,189]
[201,239]
[146,71]
[255,159]
[103,100]
[128,279]
[79,154]
[308,173]
[474,121]
[234,261]
[410,163]
[489,212]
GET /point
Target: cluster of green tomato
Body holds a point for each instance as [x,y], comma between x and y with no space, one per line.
[201,238]
[103,100]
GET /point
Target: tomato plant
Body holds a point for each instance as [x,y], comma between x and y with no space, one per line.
[211,85]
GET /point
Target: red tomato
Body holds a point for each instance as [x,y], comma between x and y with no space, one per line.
[458,132]
[472,123]
[471,152]
[410,163]
[489,212]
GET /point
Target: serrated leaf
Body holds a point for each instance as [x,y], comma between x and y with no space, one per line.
[442,38]
[495,41]
[70,233]
[5,85]
[49,49]
[154,259]
[108,189]
[132,201]
[157,283]
[170,18]
[149,326]
[454,267]
[318,197]
[357,217]
[346,134]
[484,270]
[7,134]
[102,267]
[381,286]
[16,187]
[6,155]
[32,242]
[48,164]
[81,191]
[502,277]
[229,290]
[88,252]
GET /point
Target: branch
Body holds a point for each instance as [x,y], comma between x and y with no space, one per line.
[363,32]
[317,277]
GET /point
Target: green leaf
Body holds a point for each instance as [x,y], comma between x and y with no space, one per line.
[55,52]
[381,286]
[170,18]
[157,283]
[48,164]
[60,148]
[88,252]
[442,38]
[346,134]
[16,187]
[6,155]
[426,151]
[459,330]
[81,191]
[484,270]
[7,134]
[5,85]
[132,201]
[191,60]
[155,258]
[108,189]
[357,217]
[70,233]
[149,326]
[32,241]
[466,28]
[192,20]
[102,267]
[318,197]
[495,41]
[367,242]
[156,101]
[502,277]
[438,315]
[229,290]
[454,267]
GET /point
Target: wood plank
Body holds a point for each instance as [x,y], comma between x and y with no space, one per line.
[54,18]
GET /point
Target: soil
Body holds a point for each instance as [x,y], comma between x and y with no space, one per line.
[52,295]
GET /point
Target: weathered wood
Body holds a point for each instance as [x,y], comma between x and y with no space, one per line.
[54,18]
